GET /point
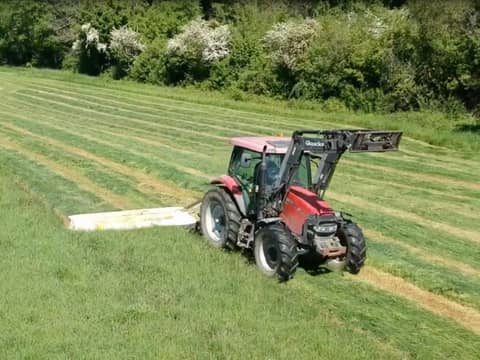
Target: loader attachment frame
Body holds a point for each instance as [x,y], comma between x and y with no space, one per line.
[328,146]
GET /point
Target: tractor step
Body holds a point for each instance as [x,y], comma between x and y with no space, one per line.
[134,219]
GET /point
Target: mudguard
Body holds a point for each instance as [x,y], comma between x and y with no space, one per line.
[231,185]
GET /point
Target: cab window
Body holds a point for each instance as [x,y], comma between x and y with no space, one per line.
[303,175]
[243,165]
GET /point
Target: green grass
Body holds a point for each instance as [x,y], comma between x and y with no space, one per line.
[164,292]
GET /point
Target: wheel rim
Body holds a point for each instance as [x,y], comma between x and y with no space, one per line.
[215,221]
[269,255]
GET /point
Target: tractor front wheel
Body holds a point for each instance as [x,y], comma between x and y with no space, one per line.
[219,218]
[276,252]
[352,237]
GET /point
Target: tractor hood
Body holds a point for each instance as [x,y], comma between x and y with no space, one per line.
[299,205]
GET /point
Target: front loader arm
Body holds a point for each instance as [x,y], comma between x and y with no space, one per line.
[329,146]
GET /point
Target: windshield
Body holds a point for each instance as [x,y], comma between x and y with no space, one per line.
[303,175]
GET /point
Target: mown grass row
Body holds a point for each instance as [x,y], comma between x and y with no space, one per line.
[415,208]
[151,106]
[111,136]
[119,109]
[462,289]
[239,123]
[432,128]
[163,293]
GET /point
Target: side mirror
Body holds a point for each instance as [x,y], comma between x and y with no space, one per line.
[245,160]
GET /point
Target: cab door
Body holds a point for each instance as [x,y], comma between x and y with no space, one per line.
[242,169]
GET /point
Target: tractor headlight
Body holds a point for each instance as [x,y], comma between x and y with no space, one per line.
[325,228]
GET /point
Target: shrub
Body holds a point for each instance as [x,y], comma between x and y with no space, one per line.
[191,53]
[125,46]
[287,42]
[27,35]
[149,66]
[91,53]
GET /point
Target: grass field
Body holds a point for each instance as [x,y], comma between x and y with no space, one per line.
[71,144]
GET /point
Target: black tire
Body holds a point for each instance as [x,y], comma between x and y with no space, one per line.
[351,236]
[276,252]
[227,238]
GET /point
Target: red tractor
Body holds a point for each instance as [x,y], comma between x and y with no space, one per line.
[271,201]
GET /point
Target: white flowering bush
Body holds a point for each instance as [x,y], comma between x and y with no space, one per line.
[287,42]
[202,39]
[89,50]
[125,46]
[191,53]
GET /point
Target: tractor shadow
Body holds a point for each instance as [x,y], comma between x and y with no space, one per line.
[310,264]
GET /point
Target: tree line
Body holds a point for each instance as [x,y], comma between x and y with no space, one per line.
[386,55]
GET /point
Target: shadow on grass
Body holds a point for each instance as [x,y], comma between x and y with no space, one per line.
[472,128]
[311,264]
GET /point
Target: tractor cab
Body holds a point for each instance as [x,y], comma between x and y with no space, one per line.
[245,164]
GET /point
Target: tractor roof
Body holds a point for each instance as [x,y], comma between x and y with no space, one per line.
[275,144]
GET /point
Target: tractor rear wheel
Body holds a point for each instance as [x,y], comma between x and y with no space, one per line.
[352,237]
[219,218]
[276,252]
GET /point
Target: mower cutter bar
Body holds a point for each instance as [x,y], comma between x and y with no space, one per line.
[133,219]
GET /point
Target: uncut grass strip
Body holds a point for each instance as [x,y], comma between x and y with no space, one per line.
[177,120]
[209,117]
[390,318]
[186,96]
[169,170]
[429,240]
[141,136]
[144,181]
[119,202]
[473,236]
[423,253]
[440,157]
[152,133]
[212,109]
[418,190]
[435,278]
[121,185]
[438,163]
[155,125]
[267,130]
[425,206]
[68,197]
[463,315]
[251,122]
[416,175]
[410,180]
[306,115]
[176,161]
[352,177]
[166,194]
[350,126]
[432,169]
[426,168]
[159,130]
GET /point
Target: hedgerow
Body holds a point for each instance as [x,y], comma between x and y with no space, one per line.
[370,56]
